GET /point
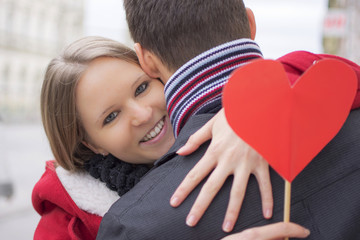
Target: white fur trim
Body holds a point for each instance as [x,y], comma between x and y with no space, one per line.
[88,193]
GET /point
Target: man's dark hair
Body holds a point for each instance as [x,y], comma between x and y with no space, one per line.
[178,30]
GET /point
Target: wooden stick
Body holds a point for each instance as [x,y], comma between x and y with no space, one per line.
[287,202]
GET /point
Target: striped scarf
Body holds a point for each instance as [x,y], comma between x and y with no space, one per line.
[196,87]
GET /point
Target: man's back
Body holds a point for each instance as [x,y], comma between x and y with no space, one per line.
[325,196]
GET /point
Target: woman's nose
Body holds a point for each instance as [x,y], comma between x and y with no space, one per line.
[140,114]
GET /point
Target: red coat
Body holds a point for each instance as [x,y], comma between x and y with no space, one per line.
[61,217]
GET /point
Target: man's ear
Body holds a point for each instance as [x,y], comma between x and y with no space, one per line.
[252,23]
[148,61]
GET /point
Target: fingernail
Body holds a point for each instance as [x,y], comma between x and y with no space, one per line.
[174,201]
[227,226]
[179,150]
[190,221]
[307,232]
[267,213]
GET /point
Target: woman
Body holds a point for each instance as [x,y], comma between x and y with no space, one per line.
[97,107]
[80,121]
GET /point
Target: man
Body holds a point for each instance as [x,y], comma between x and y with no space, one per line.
[193,46]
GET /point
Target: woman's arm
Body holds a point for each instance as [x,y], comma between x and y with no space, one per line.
[227,155]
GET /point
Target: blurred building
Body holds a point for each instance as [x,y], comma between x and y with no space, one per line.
[31,33]
[341,34]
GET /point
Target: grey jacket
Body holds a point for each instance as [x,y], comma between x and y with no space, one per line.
[325,195]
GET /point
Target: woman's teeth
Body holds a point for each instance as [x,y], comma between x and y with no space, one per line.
[154,132]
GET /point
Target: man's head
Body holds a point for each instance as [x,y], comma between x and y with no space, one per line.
[176,31]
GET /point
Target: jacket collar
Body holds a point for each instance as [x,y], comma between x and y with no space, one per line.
[196,87]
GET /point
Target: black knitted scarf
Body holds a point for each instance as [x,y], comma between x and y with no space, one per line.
[118,175]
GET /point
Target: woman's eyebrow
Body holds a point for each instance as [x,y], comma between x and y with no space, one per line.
[143,75]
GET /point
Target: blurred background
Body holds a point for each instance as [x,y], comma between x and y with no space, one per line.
[33,32]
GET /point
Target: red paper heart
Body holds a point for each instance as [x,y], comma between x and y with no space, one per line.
[289,125]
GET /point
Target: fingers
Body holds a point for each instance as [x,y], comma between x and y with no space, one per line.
[198,138]
[192,179]
[206,195]
[271,232]
[236,198]
[263,177]
[238,159]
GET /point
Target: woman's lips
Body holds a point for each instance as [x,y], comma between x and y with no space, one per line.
[156,133]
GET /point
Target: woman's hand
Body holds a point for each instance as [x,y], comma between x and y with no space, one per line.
[271,232]
[227,155]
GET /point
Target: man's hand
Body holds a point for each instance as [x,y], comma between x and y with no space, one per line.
[227,155]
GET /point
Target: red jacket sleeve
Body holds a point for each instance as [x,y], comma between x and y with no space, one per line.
[295,63]
[56,224]
[60,216]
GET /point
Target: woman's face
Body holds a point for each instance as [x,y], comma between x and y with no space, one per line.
[123,111]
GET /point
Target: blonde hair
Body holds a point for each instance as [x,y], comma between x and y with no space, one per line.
[58,106]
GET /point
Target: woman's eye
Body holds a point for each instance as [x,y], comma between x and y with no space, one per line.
[110,117]
[141,88]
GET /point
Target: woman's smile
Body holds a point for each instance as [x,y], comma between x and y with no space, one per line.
[155,134]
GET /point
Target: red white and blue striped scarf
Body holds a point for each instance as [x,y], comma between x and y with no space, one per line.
[196,87]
